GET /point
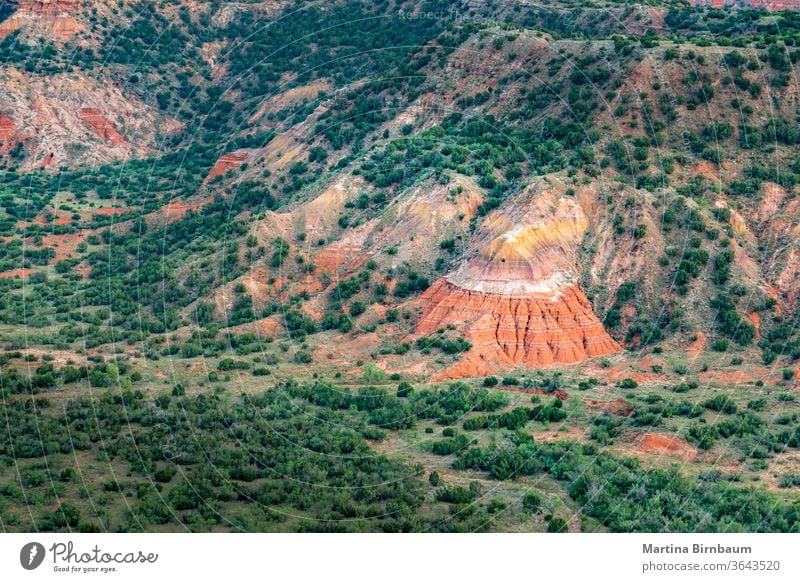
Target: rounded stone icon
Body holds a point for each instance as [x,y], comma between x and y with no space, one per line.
[31,555]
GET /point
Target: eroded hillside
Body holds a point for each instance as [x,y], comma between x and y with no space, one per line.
[605,189]
[589,206]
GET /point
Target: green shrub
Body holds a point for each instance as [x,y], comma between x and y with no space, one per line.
[302,357]
[531,501]
[228,364]
[721,403]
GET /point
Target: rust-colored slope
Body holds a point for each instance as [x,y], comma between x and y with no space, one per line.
[7,128]
[507,331]
[100,125]
[226,163]
[7,133]
[52,17]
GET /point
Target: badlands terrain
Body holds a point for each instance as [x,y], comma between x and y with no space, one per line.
[399,266]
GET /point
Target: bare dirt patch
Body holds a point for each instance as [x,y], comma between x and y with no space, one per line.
[664,444]
[65,245]
[21,273]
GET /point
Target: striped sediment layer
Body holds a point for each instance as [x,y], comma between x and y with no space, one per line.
[515,330]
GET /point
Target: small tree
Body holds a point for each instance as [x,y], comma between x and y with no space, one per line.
[531,501]
[404,389]
[557,525]
[372,374]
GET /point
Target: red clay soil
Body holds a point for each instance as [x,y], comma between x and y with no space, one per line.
[65,26]
[8,133]
[64,245]
[263,328]
[775,294]
[7,128]
[665,444]
[734,377]
[173,211]
[21,273]
[84,270]
[336,257]
[50,8]
[100,125]
[312,285]
[9,25]
[755,319]
[619,406]
[59,220]
[226,163]
[696,347]
[507,331]
[647,362]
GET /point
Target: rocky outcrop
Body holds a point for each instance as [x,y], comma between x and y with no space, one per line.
[49,8]
[68,119]
[51,17]
[526,330]
[100,125]
[7,132]
[10,25]
[517,300]
[6,127]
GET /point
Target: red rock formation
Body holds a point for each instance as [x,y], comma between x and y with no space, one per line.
[14,22]
[51,8]
[53,16]
[507,331]
[47,161]
[226,163]
[7,133]
[100,125]
[7,128]
[517,299]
